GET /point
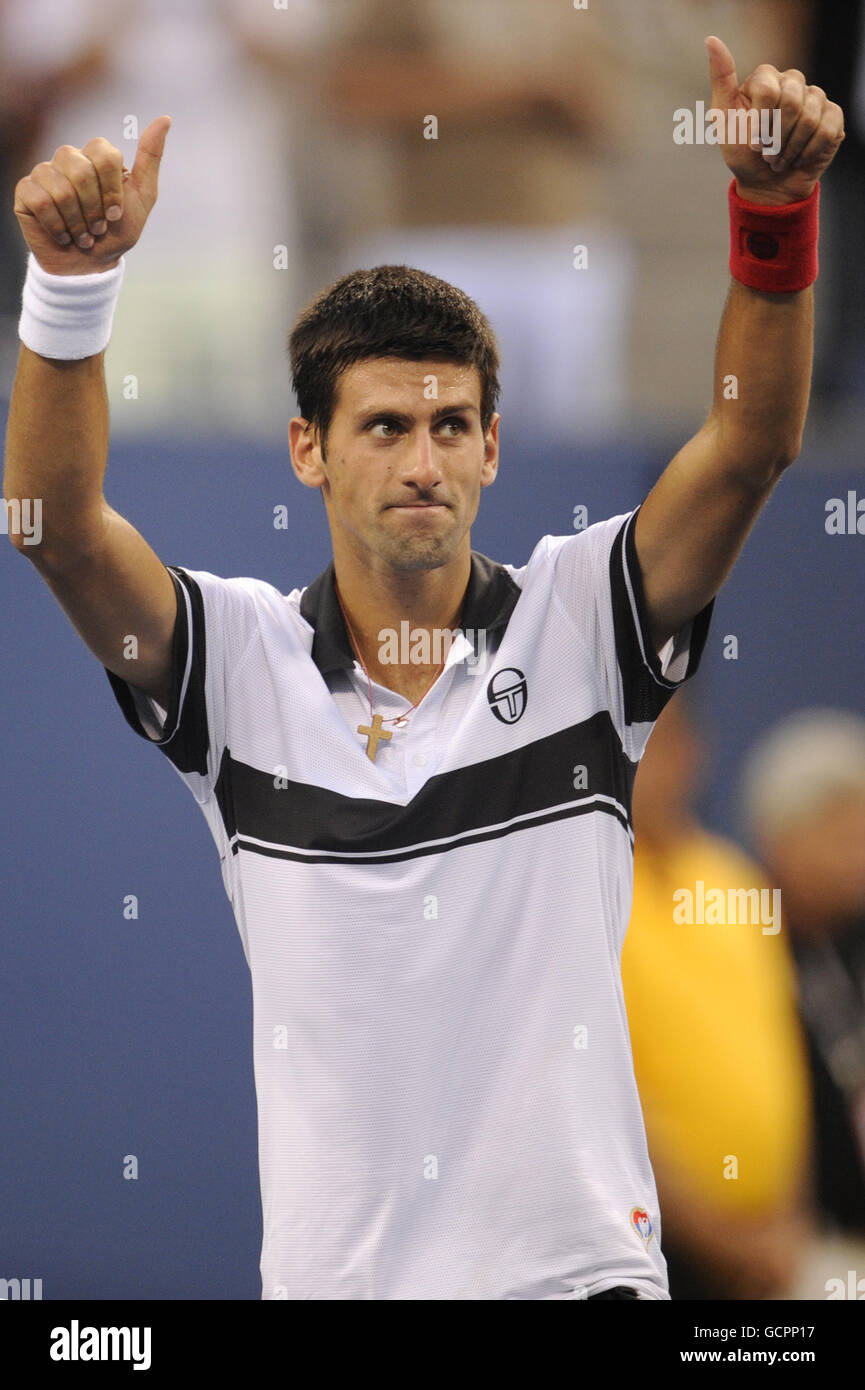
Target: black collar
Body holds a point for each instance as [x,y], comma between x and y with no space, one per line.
[490,600]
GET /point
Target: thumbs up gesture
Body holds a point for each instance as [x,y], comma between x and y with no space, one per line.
[804,128]
[82,210]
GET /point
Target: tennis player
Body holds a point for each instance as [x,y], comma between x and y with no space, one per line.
[427,843]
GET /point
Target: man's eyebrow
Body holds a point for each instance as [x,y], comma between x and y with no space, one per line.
[463,408]
[459,408]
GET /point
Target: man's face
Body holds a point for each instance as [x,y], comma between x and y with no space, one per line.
[406,460]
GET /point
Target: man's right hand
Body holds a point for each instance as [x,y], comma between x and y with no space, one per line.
[82,210]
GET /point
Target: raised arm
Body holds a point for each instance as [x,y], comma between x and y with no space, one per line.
[80,213]
[695,520]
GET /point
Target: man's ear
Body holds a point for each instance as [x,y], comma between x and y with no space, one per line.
[491,453]
[307,454]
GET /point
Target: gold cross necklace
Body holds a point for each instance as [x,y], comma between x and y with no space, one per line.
[374,731]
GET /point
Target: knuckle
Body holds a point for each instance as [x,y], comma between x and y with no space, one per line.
[70,210]
[41,201]
[761,88]
[104,171]
[104,156]
[792,94]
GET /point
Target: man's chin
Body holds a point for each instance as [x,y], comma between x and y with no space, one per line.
[427,560]
[419,553]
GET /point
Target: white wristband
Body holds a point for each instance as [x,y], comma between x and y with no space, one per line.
[68,316]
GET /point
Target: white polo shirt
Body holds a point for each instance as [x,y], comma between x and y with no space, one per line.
[446,1097]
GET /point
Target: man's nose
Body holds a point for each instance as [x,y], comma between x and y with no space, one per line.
[421,465]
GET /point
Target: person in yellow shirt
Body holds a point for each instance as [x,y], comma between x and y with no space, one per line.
[718,1051]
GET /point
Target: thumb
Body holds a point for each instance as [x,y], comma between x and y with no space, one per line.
[145,170]
[722,73]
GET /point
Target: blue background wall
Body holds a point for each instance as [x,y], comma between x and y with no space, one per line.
[134,1037]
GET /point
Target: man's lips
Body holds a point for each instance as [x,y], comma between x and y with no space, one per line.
[416,507]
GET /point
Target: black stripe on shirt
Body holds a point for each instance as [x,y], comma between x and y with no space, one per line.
[646,691]
[184,741]
[473,837]
[536,779]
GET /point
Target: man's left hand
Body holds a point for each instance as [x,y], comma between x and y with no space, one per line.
[811,128]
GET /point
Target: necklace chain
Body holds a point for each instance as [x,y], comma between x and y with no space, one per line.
[397,719]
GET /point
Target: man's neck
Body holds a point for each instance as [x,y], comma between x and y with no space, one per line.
[389,613]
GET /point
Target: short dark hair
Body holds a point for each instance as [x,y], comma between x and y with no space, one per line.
[389,311]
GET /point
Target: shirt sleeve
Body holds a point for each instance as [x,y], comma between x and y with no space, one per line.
[215,623]
[600,584]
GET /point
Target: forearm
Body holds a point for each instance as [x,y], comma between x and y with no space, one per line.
[57,449]
[694,522]
[762,382]
[80,213]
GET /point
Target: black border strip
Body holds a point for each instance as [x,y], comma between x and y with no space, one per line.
[646,690]
[582,808]
[186,746]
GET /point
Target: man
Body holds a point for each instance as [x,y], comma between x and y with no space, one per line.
[802,801]
[429,859]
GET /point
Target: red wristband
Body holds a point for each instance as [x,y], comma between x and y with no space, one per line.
[774,248]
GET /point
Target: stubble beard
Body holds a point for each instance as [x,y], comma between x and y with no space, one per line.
[418,553]
[412,553]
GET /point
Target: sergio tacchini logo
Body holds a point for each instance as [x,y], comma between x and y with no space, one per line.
[507,694]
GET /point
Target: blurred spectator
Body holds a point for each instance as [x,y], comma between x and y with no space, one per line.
[803,798]
[40,68]
[470,140]
[205,310]
[555,130]
[303,128]
[669,199]
[718,1052]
